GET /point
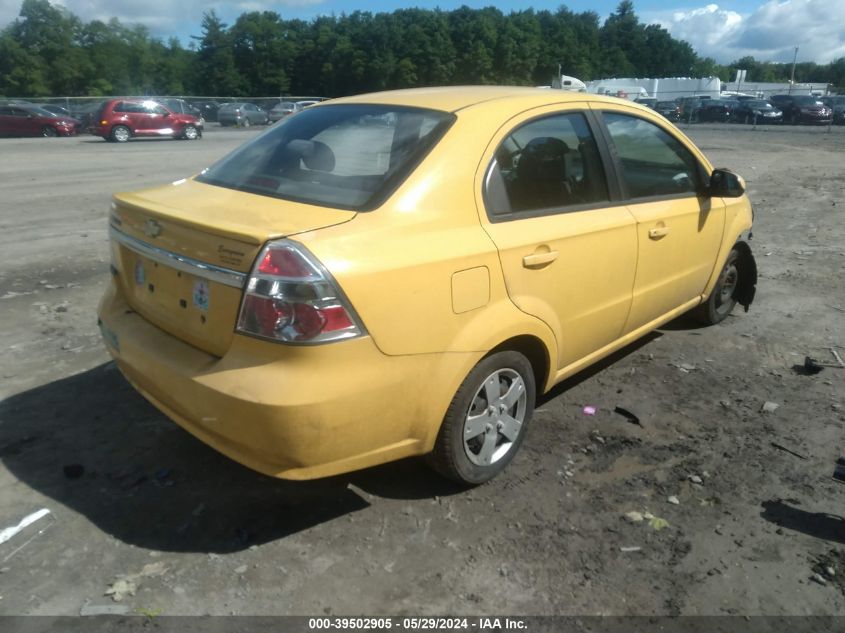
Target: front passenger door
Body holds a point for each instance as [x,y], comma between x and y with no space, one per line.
[679,229]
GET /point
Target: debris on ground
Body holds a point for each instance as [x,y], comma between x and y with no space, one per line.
[673,500]
[787,450]
[127,585]
[589,410]
[119,589]
[633,419]
[696,479]
[769,407]
[103,609]
[658,524]
[9,532]
[634,517]
[839,471]
[630,549]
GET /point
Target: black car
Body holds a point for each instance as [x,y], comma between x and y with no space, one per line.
[718,110]
[837,104]
[756,111]
[208,109]
[802,109]
[670,109]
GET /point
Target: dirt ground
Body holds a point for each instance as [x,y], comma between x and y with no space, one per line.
[174,528]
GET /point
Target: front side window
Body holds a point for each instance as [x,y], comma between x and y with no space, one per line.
[151,107]
[336,156]
[548,163]
[654,163]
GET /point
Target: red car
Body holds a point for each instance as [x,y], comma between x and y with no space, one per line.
[121,119]
[21,119]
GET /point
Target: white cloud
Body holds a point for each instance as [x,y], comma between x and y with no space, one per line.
[162,17]
[769,33]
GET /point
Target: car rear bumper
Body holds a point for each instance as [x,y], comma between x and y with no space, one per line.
[296,412]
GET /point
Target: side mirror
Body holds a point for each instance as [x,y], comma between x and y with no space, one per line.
[726,184]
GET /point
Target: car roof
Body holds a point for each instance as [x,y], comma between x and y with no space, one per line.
[454,98]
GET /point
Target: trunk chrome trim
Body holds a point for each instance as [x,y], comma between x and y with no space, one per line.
[183,263]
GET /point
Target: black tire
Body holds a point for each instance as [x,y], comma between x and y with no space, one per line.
[721,301]
[246,122]
[49,131]
[120,134]
[463,458]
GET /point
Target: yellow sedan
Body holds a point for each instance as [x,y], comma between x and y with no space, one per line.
[403,273]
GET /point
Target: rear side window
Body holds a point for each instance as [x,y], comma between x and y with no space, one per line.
[654,163]
[546,164]
[343,156]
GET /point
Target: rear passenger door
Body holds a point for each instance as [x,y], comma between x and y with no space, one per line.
[679,229]
[567,244]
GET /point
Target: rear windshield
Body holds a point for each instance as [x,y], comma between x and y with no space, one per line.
[342,156]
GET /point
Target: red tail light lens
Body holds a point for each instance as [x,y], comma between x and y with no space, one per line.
[291,298]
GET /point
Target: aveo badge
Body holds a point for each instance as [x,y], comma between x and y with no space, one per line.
[140,274]
[201,294]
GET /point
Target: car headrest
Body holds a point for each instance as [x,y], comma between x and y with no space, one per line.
[316,155]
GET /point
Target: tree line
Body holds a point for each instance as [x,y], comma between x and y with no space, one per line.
[48,51]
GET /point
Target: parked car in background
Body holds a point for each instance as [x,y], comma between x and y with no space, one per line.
[297,307]
[802,109]
[670,109]
[716,110]
[31,120]
[241,114]
[307,103]
[837,104]
[282,109]
[122,119]
[180,106]
[689,107]
[87,113]
[207,108]
[756,111]
[649,102]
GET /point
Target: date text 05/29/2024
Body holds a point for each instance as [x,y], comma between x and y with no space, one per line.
[417,624]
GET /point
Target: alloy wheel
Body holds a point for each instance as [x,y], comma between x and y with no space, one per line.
[495,417]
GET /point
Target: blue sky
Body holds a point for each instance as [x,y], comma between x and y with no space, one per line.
[726,30]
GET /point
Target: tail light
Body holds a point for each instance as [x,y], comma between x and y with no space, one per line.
[291,298]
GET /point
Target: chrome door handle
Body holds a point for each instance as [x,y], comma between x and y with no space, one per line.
[658,232]
[539,259]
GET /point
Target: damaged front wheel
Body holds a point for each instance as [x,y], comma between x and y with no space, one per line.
[736,284]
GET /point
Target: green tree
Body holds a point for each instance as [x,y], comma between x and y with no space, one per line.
[214,64]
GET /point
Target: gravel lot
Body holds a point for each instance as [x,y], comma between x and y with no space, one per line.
[756,530]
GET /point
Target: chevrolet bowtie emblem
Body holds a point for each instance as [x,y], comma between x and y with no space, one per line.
[152,228]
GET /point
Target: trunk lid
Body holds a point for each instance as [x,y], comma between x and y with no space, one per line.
[184,251]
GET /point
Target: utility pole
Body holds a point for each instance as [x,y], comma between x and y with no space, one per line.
[792,76]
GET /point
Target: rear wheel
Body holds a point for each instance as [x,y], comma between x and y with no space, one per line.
[49,130]
[120,134]
[487,419]
[246,122]
[721,301]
